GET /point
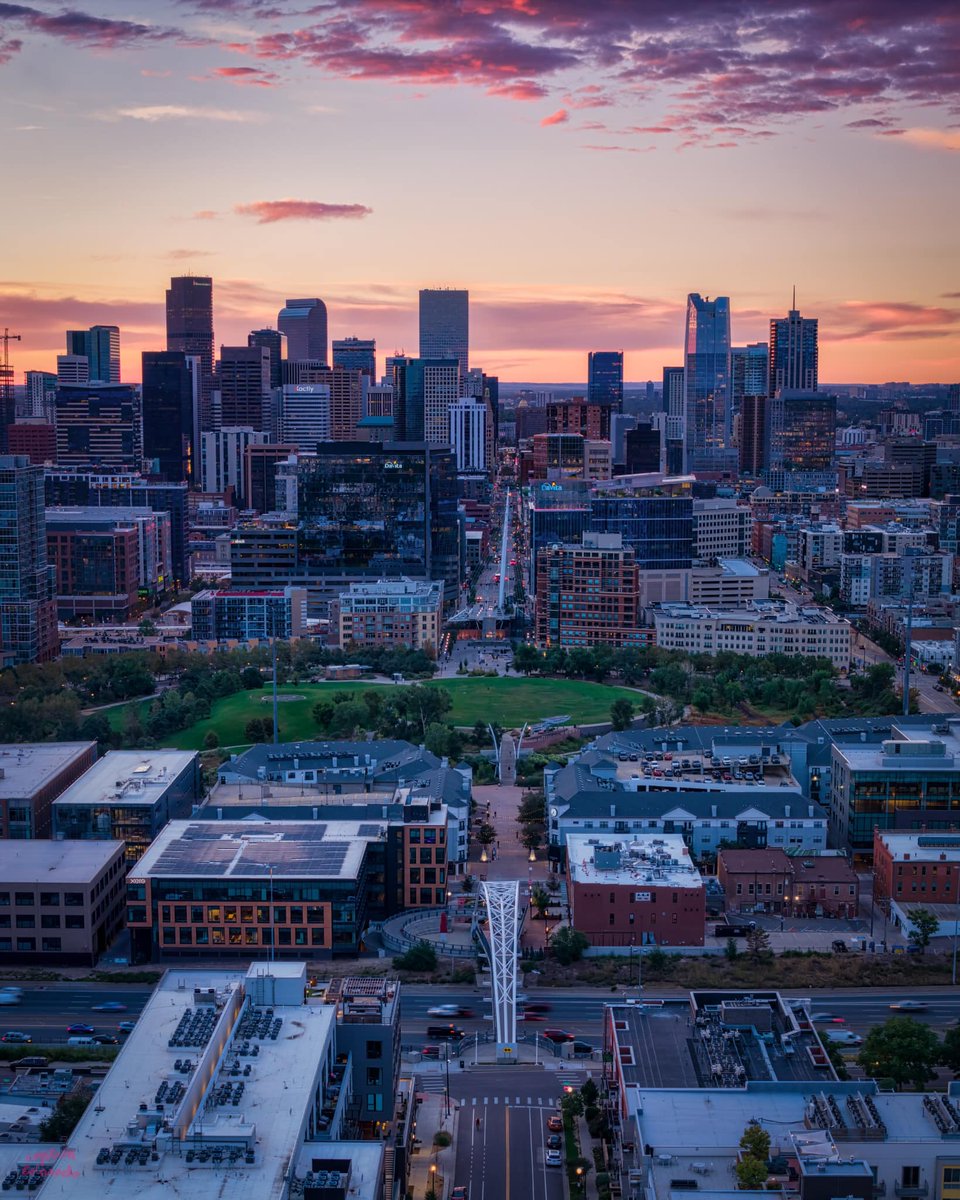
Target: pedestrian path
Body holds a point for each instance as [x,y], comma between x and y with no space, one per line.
[435,1084]
[509,1101]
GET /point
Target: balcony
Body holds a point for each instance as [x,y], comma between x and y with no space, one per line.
[911,1190]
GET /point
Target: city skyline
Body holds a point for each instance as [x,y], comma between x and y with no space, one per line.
[819,108]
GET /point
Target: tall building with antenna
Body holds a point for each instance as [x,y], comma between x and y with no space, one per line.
[794,351]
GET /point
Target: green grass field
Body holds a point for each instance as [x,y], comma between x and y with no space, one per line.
[507,701]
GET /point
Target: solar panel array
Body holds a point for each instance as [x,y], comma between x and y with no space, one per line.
[215,848]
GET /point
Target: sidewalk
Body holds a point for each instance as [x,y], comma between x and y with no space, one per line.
[589,1190]
[431,1119]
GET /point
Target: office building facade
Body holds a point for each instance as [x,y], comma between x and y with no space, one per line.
[587,595]
[28,615]
[243,386]
[260,461]
[655,524]
[674,410]
[99,426]
[222,459]
[356,354]
[706,382]
[34,774]
[41,394]
[424,389]
[304,415]
[803,429]
[304,324]
[190,331]
[168,425]
[445,326]
[235,615]
[605,378]
[100,346]
[272,341]
[470,436]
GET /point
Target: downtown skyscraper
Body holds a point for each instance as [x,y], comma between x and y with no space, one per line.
[706,385]
[190,330]
[605,378]
[304,324]
[445,325]
[794,352]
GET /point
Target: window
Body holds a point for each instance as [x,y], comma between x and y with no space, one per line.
[235,936]
[50,921]
[168,935]
[316,937]
[218,938]
[203,936]
[180,914]
[186,937]
[73,899]
[280,915]
[50,899]
[373,1076]
[4,898]
[374,1102]
[284,937]
[26,922]
[230,914]
[909,1177]
[50,943]
[375,1049]
[24,899]
[196,914]
[74,922]
[314,914]
[28,944]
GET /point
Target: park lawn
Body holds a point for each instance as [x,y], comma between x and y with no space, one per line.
[508,701]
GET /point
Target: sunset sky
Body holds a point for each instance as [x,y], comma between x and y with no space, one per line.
[579,165]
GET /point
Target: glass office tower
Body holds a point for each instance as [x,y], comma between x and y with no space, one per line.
[605,378]
[445,325]
[706,381]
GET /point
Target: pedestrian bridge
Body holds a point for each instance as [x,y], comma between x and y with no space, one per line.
[504,918]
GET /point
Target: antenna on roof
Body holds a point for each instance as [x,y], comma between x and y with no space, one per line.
[794,304]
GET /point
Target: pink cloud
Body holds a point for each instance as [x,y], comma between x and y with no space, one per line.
[268,212]
[560,117]
[246,76]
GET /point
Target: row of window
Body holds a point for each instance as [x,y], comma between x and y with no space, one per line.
[29,945]
[431,837]
[426,895]
[426,855]
[252,936]
[47,899]
[47,921]
[244,914]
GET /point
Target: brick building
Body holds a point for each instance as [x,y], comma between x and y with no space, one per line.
[916,867]
[768,880]
[755,880]
[32,776]
[579,416]
[633,893]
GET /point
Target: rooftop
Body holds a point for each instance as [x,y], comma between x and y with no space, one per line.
[259,849]
[382,763]
[26,769]
[56,862]
[933,745]
[767,612]
[194,1103]
[921,847]
[663,860]
[130,776]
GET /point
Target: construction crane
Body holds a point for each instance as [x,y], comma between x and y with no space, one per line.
[7,410]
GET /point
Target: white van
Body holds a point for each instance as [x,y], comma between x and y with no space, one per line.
[843,1037]
[86,1040]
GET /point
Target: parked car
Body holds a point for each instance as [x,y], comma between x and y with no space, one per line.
[14,1035]
[909,1006]
[554,1141]
[582,1049]
[80,1027]
[110,1006]
[555,1123]
[554,1158]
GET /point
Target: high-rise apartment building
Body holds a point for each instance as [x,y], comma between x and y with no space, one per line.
[273,340]
[754,446]
[100,346]
[28,614]
[793,353]
[304,323]
[586,417]
[424,389]
[445,325]
[706,380]
[167,401]
[41,394]
[190,330]
[749,371]
[605,378]
[587,594]
[73,368]
[243,381]
[222,458]
[471,429]
[98,426]
[673,407]
[356,354]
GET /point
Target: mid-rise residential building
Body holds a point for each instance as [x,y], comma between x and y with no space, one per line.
[803,429]
[33,438]
[587,594]
[28,611]
[234,615]
[640,891]
[733,582]
[820,547]
[771,881]
[761,629]
[41,395]
[589,418]
[222,458]
[720,530]
[391,612]
[60,902]
[98,426]
[32,776]
[129,796]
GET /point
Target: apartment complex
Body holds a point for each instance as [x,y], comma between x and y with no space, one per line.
[390,612]
[587,594]
[764,628]
[32,776]
[242,616]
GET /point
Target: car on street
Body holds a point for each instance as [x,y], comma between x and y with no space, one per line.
[582,1049]
[557,1035]
[844,1037]
[554,1158]
[459,1193]
[909,1006]
[14,1035]
[555,1123]
[80,1027]
[106,1039]
[126,1026]
[538,1006]
[532,1016]
[110,1006]
[444,1010]
[430,1051]
[823,1018]
[554,1141]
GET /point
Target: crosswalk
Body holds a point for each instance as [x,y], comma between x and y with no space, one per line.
[511,1101]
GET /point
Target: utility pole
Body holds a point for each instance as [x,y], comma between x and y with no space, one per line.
[276,714]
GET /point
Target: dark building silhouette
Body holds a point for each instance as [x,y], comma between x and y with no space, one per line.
[167,398]
[273,340]
[190,330]
[304,324]
[605,378]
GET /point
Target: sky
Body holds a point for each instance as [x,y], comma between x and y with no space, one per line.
[579,165]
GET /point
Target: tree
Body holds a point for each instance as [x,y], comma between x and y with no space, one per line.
[526,658]
[758,943]
[211,740]
[147,628]
[420,957]
[756,1141]
[64,1118]
[540,899]
[568,945]
[481,734]
[751,1173]
[621,713]
[950,1049]
[531,837]
[466,884]
[923,925]
[250,677]
[730,950]
[322,713]
[903,1050]
[486,834]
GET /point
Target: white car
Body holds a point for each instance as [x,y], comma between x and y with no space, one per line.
[843,1037]
[554,1158]
[444,1010]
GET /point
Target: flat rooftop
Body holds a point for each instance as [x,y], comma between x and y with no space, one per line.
[58,862]
[128,777]
[662,860]
[270,1118]
[259,849]
[31,766]
[922,847]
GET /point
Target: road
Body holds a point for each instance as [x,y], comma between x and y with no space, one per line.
[46,1011]
[501,1148]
